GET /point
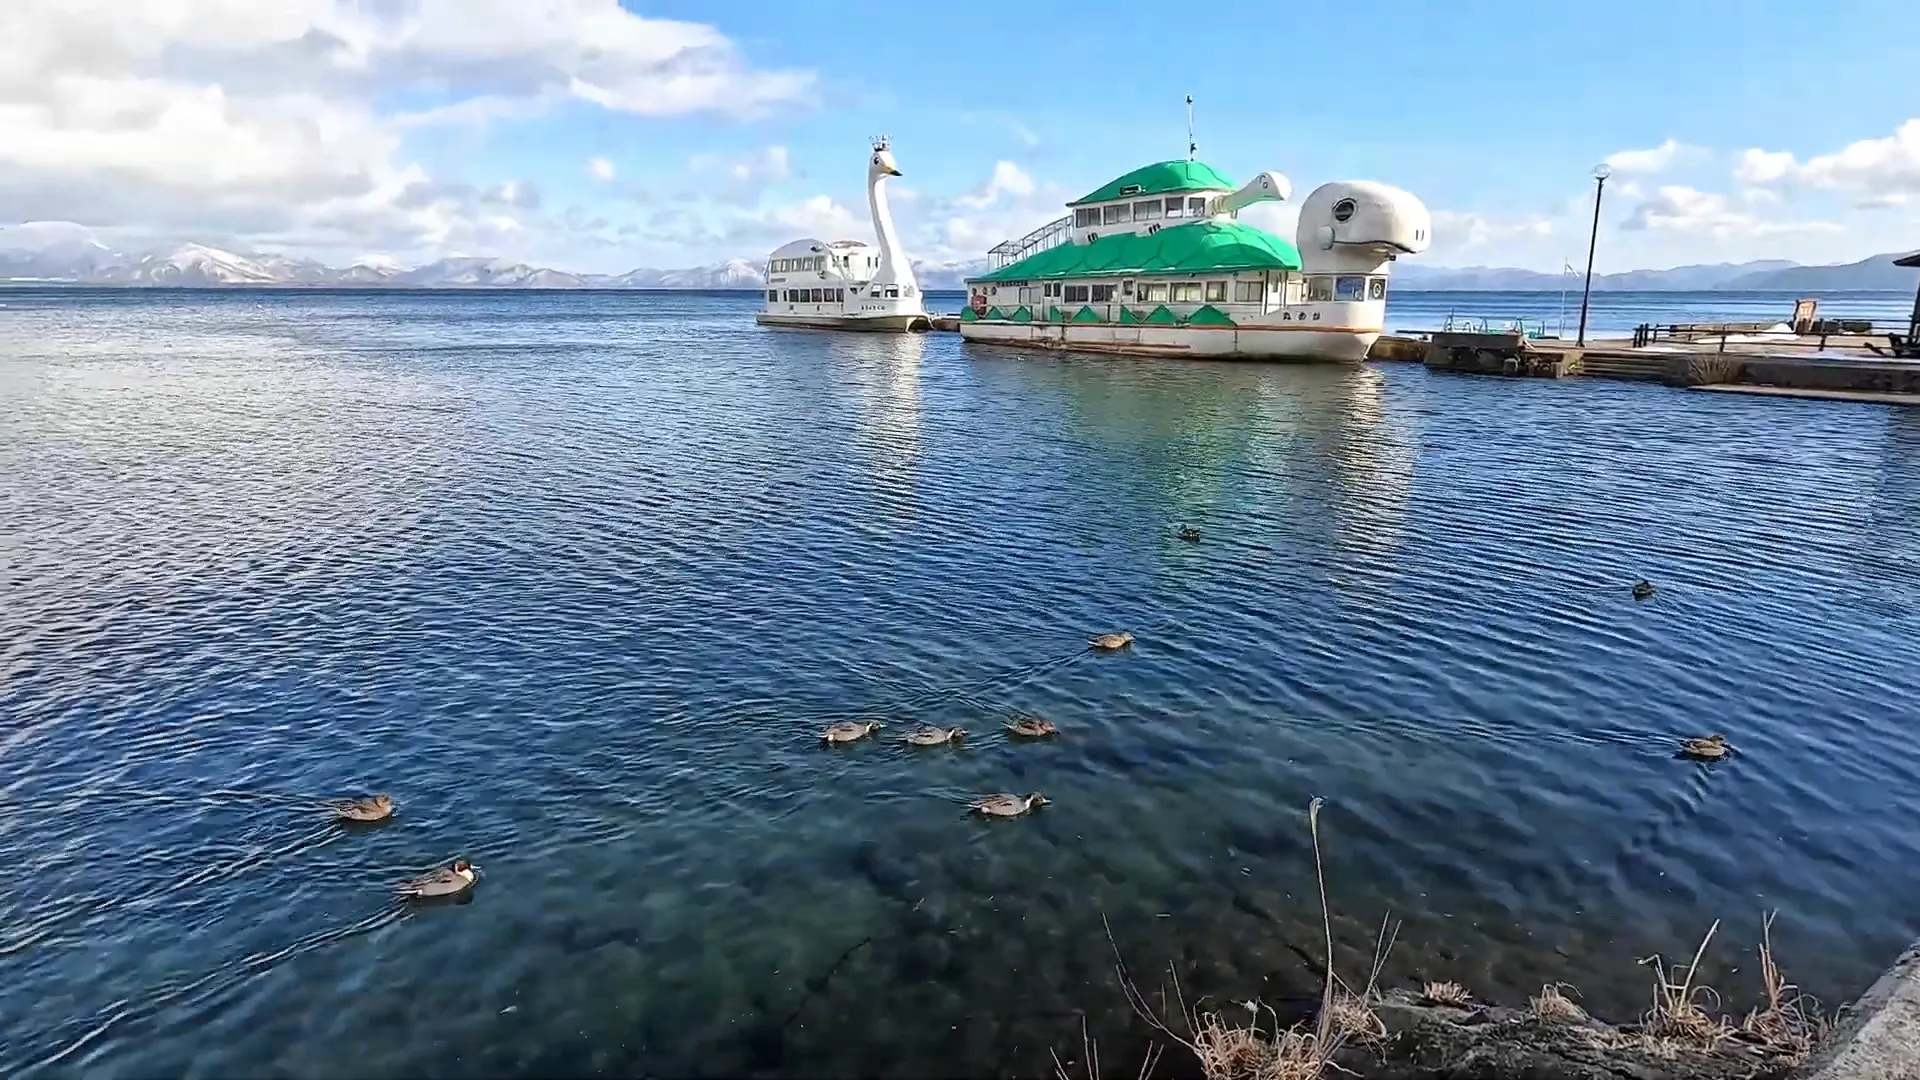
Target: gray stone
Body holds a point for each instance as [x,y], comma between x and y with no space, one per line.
[1878,1037]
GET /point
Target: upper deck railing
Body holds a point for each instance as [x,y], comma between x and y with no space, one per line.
[1050,235]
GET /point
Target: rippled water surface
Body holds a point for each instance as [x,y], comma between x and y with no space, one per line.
[578,577]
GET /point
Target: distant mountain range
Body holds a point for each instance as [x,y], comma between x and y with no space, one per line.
[89,262]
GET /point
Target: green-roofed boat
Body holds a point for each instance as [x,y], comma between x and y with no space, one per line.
[1157,262]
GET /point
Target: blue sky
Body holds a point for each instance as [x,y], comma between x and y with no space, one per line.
[599,137]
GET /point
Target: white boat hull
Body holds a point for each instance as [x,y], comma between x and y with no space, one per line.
[883,324]
[1209,342]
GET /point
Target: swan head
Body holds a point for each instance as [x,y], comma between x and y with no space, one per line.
[881,163]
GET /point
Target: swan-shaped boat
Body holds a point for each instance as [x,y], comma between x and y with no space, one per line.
[847,284]
[1156,263]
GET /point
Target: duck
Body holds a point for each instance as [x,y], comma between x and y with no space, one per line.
[1642,589]
[368,809]
[1711,748]
[1031,727]
[1111,641]
[1005,805]
[933,736]
[850,731]
[450,880]
[1188,533]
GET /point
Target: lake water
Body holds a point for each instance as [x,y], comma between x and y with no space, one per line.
[577,577]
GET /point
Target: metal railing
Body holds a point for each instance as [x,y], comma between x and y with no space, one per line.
[1478,324]
[1817,335]
[1051,235]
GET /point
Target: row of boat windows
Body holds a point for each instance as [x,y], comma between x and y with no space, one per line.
[1144,210]
[792,266]
[1320,287]
[825,296]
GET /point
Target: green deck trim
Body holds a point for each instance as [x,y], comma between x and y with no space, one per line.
[1208,315]
[967,315]
[1160,178]
[1054,314]
[1087,315]
[1161,316]
[994,314]
[1127,316]
[1202,247]
[1023,313]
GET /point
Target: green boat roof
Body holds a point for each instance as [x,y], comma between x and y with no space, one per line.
[1203,247]
[1160,178]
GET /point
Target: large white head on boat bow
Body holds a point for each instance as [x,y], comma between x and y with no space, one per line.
[1360,224]
[894,267]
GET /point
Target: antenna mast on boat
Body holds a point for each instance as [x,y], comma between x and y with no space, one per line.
[1193,148]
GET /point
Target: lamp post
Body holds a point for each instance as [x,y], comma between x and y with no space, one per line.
[1600,174]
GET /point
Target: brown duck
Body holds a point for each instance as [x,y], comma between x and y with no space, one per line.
[1004,805]
[1031,727]
[933,736]
[1711,748]
[451,880]
[370,808]
[1111,641]
[850,731]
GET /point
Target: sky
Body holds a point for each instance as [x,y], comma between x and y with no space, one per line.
[604,135]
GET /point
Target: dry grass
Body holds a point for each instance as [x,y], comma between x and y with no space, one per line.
[1677,1014]
[1791,1021]
[1446,993]
[1231,1048]
[1552,1003]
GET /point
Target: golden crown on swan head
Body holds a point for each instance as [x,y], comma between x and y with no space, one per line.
[881,142]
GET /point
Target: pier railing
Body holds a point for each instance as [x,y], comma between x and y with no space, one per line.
[1817,336]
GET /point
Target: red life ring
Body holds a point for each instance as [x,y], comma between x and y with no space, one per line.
[979,303]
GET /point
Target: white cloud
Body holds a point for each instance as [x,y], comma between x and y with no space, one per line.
[1879,172]
[1454,229]
[1653,160]
[1678,209]
[600,168]
[1007,180]
[234,119]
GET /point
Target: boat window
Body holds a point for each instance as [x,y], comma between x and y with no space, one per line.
[1086,217]
[1186,292]
[1196,208]
[1249,292]
[1349,287]
[1376,288]
[1153,294]
[773,295]
[1102,294]
[1116,215]
[893,292]
[1051,288]
[1076,294]
[1027,297]
[1176,206]
[1319,288]
[1146,211]
[1216,292]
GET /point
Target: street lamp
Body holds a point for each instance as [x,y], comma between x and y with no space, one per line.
[1600,174]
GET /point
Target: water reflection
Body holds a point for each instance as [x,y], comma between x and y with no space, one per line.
[883,371]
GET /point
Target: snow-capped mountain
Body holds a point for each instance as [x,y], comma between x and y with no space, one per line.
[81,261]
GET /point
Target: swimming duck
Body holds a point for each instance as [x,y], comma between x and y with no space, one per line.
[1112,641]
[1031,727]
[371,808]
[932,736]
[447,881]
[1642,590]
[850,730]
[1189,533]
[1004,805]
[1711,748]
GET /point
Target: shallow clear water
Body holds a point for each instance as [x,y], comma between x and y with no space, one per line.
[577,577]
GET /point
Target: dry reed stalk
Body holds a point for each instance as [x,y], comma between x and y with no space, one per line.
[1792,1021]
[1229,1050]
[1552,1003]
[1446,993]
[1676,1012]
